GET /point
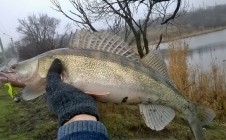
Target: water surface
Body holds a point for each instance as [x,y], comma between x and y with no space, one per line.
[205,50]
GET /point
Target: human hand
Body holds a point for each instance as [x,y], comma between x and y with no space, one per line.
[66,101]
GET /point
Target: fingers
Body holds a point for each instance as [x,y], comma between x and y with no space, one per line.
[53,76]
[56,67]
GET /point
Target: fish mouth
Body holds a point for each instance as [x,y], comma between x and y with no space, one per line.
[12,78]
[19,74]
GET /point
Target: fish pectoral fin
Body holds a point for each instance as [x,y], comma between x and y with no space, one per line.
[34,89]
[156,117]
[97,93]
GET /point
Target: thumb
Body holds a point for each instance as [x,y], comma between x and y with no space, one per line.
[56,67]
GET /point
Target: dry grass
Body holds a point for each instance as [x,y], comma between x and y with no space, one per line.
[209,88]
[178,67]
[205,87]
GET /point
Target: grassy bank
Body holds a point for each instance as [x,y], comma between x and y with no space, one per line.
[25,120]
[32,120]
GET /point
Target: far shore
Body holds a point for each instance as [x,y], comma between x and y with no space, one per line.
[174,35]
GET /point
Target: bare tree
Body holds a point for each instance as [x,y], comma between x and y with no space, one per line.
[39,35]
[38,29]
[81,17]
[125,16]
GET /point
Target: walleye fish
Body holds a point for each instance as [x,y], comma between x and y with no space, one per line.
[104,66]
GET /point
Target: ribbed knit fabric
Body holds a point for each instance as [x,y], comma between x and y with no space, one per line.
[83,130]
[67,101]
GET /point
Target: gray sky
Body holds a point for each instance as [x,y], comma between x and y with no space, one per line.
[12,10]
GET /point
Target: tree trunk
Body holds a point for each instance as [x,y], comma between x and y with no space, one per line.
[145,42]
[139,47]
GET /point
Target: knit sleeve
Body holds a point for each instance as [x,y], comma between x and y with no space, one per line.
[88,130]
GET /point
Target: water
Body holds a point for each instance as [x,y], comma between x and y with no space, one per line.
[206,49]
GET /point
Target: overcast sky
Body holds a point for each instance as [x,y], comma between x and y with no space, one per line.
[12,10]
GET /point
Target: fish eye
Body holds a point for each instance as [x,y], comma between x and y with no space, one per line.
[13,67]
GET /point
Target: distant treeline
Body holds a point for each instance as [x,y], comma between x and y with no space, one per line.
[214,16]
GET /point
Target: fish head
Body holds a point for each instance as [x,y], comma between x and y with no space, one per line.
[19,74]
[25,70]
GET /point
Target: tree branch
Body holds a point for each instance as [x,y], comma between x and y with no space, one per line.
[174,14]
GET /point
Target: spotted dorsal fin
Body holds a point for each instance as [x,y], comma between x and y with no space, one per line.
[155,61]
[102,41]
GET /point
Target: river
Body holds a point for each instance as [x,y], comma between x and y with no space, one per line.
[205,49]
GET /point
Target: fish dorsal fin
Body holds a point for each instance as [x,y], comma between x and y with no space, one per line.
[155,61]
[102,41]
[156,116]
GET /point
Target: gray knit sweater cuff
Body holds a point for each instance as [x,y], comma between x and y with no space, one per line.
[81,126]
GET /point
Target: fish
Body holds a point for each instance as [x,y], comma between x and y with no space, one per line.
[107,68]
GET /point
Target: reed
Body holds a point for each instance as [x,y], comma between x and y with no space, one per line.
[178,67]
[205,87]
[209,88]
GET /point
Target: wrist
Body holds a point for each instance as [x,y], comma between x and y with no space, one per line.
[83,127]
[82,117]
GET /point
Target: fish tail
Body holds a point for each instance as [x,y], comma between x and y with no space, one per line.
[201,116]
[197,129]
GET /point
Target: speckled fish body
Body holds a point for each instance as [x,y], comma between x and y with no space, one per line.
[112,77]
